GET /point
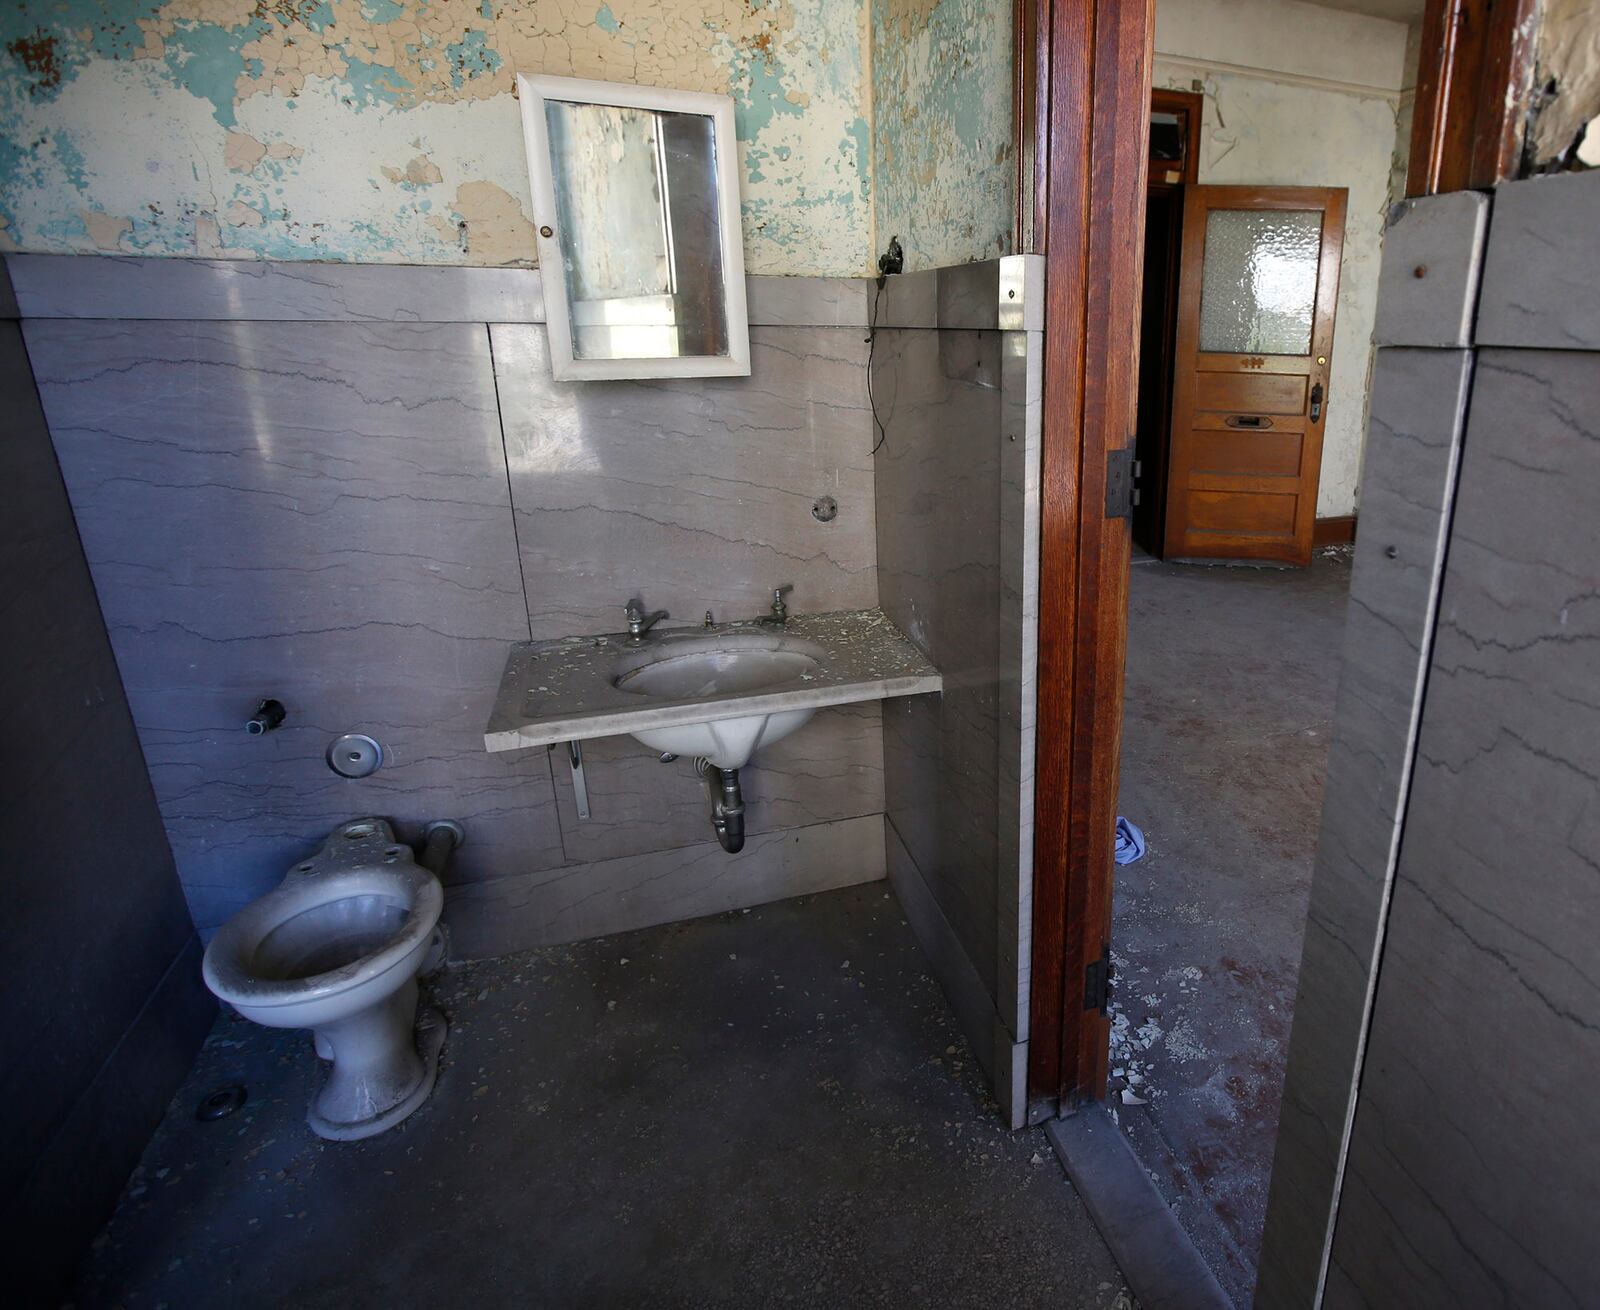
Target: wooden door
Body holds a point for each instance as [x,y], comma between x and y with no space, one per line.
[1259,278]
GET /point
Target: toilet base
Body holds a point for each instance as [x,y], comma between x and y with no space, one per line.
[391,1088]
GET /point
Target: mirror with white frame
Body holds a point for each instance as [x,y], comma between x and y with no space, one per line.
[636,200]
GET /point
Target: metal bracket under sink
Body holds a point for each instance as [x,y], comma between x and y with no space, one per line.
[580,789]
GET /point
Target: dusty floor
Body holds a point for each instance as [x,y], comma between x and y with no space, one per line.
[1231,678]
[762,1108]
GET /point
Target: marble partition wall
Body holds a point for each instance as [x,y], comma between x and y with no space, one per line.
[956,380]
[1436,1148]
[353,489]
[1421,380]
[1472,1171]
[99,964]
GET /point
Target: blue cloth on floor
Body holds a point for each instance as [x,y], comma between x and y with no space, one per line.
[1130,841]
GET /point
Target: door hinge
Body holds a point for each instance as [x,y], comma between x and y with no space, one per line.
[1122,483]
[1097,984]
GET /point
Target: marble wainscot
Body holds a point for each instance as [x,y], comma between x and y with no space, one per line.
[352,488]
[565,690]
[957,380]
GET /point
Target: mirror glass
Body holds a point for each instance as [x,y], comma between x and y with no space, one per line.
[639,226]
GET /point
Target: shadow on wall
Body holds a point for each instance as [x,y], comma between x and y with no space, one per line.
[99,964]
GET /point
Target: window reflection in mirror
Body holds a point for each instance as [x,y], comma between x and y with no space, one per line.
[639,227]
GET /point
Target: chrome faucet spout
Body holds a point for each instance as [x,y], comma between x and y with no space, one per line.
[779,613]
[639,623]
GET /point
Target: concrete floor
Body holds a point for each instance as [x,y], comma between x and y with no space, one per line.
[1230,687]
[762,1108]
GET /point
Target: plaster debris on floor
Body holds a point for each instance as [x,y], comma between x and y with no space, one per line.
[772,1106]
[1230,686]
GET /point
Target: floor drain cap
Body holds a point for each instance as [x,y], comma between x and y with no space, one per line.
[221,1103]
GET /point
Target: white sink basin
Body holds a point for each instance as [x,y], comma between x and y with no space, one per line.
[719,664]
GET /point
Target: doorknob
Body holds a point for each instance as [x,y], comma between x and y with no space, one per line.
[1316,402]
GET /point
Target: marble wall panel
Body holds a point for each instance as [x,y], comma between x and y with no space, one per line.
[939,562]
[692,494]
[831,769]
[1005,294]
[1432,261]
[957,485]
[1002,1058]
[1413,444]
[75,286]
[579,901]
[1473,1176]
[1541,275]
[1021,412]
[79,286]
[314,512]
[807,301]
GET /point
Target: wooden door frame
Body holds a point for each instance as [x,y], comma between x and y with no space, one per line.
[1192,105]
[1083,97]
[1153,407]
[1474,94]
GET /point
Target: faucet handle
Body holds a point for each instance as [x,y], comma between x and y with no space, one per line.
[777,592]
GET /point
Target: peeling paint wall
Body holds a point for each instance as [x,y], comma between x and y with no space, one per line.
[387,131]
[1568,61]
[942,141]
[1405,115]
[1315,106]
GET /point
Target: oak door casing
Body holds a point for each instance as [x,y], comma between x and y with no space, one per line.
[1245,455]
[1097,97]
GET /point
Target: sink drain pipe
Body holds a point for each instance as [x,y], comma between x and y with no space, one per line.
[727,803]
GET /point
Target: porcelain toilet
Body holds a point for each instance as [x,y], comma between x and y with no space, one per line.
[337,948]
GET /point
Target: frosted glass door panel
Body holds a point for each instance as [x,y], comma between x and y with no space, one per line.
[1259,281]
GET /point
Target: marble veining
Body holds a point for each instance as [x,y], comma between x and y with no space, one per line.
[1419,398]
[1472,1172]
[356,487]
[89,286]
[691,494]
[564,690]
[1541,276]
[78,286]
[315,512]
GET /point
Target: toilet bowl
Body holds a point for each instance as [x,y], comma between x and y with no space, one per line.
[336,948]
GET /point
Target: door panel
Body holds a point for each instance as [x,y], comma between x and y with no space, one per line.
[1246,453]
[1232,511]
[1244,394]
[1259,280]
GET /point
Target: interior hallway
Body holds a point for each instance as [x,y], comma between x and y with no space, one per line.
[1231,677]
[766,1107]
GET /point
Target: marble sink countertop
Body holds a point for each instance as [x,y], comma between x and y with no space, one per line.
[562,690]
